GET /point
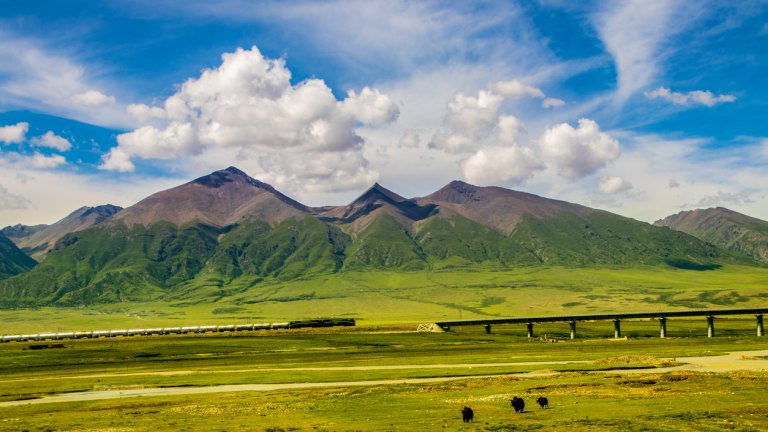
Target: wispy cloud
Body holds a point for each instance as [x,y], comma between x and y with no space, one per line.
[695,97]
[37,78]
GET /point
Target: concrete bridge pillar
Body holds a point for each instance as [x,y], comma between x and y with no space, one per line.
[662,327]
[573,329]
[530,329]
[710,326]
[760,328]
[616,328]
[487,329]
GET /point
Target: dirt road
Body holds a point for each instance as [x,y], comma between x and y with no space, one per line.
[740,360]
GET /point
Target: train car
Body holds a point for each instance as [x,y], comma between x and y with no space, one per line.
[226,328]
[207,329]
[243,327]
[322,322]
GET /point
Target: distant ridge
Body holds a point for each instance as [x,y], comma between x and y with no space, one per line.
[38,240]
[12,260]
[376,200]
[725,228]
[497,207]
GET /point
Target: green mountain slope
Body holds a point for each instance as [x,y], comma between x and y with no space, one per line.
[725,228]
[144,255]
[12,260]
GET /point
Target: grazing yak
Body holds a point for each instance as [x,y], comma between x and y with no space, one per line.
[467,414]
[543,402]
[518,404]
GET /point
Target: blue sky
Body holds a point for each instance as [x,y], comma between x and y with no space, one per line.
[640,108]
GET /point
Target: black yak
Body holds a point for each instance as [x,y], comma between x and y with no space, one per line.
[467,414]
[543,402]
[518,404]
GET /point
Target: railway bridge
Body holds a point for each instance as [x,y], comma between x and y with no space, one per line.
[661,316]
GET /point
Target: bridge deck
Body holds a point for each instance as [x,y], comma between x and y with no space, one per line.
[603,317]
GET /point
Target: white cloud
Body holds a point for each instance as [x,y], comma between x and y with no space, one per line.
[249,104]
[578,152]
[552,103]
[144,113]
[41,161]
[11,201]
[92,98]
[14,134]
[149,142]
[36,161]
[701,97]
[51,140]
[514,89]
[634,32]
[32,76]
[501,165]
[410,139]
[370,106]
[469,120]
[723,199]
[613,185]
[508,129]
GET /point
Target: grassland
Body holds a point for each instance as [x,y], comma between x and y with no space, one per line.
[384,298]
[579,400]
[387,306]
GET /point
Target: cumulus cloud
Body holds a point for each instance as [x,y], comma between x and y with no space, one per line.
[501,165]
[695,97]
[578,152]
[472,120]
[36,161]
[11,201]
[178,139]
[14,134]
[51,140]
[552,102]
[613,185]
[514,89]
[249,104]
[370,106]
[92,98]
[144,113]
[469,120]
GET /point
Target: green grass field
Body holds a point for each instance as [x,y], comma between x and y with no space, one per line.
[384,298]
[578,400]
[387,306]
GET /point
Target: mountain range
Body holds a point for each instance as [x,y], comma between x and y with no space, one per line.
[227,227]
[724,228]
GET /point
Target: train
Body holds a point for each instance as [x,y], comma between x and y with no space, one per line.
[308,323]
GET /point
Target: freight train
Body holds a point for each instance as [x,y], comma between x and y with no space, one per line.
[310,323]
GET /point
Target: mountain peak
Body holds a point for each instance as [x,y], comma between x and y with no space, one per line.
[219,178]
[219,199]
[378,192]
[457,192]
